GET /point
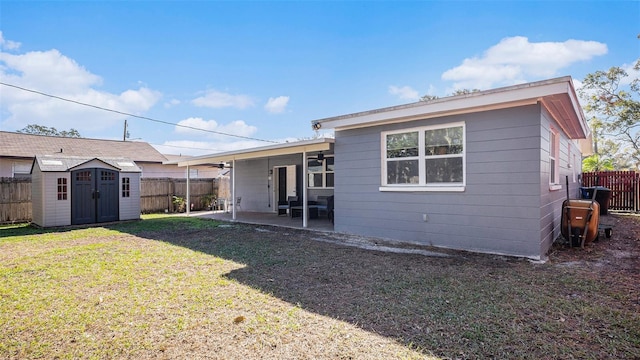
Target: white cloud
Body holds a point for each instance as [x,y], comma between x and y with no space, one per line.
[217,99]
[171,103]
[238,127]
[277,105]
[8,44]
[632,73]
[47,71]
[404,92]
[515,59]
[53,73]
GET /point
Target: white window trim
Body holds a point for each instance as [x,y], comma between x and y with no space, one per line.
[554,154]
[20,169]
[420,187]
[125,192]
[324,173]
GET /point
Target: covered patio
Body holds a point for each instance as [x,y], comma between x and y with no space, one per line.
[264,178]
[261,218]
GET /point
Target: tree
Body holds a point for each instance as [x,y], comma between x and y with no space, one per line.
[464,92]
[49,131]
[595,163]
[428,97]
[615,108]
[455,93]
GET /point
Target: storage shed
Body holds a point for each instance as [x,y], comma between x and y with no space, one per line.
[70,190]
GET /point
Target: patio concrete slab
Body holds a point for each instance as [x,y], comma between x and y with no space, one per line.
[321,223]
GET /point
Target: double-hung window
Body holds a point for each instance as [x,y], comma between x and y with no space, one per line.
[429,158]
[320,172]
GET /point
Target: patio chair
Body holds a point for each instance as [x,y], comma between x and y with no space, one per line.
[322,204]
[285,206]
[237,203]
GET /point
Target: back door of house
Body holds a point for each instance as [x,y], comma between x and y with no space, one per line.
[286,185]
[94,196]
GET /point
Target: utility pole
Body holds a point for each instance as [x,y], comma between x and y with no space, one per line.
[124,135]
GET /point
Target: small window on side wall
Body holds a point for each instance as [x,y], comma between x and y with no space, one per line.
[126,187]
[554,153]
[62,188]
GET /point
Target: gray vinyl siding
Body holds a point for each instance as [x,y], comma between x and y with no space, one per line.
[253,184]
[56,212]
[499,211]
[37,197]
[130,206]
[551,200]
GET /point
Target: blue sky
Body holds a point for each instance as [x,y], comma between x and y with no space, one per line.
[264,70]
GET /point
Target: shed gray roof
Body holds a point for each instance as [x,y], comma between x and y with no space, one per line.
[28,146]
[48,163]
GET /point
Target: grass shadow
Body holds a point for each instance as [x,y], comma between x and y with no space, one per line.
[467,306]
[487,306]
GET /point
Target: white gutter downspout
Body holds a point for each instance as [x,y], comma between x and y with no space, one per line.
[233,189]
[305,206]
[188,193]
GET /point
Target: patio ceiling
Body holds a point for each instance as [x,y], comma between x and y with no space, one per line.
[298,147]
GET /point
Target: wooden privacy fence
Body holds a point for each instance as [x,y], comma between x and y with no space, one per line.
[156,195]
[624,186]
[15,200]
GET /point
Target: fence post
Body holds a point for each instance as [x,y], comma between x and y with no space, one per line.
[636,198]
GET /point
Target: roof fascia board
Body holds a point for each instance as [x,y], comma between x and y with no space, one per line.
[93,159]
[494,99]
[275,150]
[441,114]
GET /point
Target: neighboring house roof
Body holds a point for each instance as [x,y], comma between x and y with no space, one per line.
[558,96]
[171,157]
[28,146]
[48,163]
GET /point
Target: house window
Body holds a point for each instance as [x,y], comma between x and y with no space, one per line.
[62,188]
[428,158]
[320,172]
[126,187]
[554,149]
[193,173]
[21,171]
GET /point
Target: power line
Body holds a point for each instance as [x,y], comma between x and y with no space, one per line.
[181,147]
[133,115]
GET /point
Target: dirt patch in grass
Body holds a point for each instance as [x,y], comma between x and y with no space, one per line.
[189,288]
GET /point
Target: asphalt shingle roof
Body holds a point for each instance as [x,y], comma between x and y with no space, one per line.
[28,146]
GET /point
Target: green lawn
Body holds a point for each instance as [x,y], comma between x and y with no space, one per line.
[178,287]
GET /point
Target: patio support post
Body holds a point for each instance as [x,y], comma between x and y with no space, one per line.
[188,193]
[233,189]
[305,206]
